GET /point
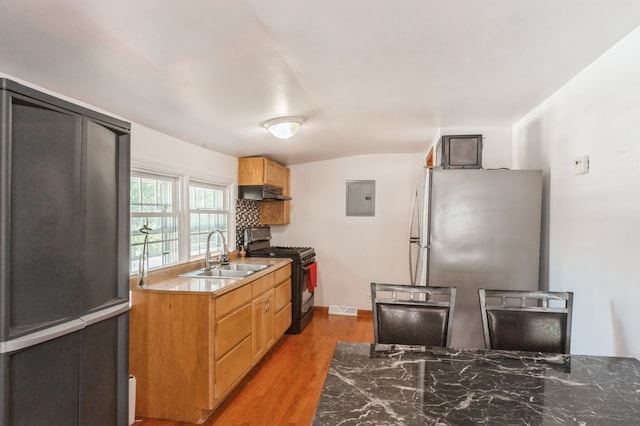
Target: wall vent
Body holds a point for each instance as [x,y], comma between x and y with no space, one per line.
[350,311]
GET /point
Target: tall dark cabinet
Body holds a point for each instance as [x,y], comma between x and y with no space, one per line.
[64,233]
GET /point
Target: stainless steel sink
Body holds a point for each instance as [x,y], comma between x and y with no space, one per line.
[217,273]
[229,271]
[243,267]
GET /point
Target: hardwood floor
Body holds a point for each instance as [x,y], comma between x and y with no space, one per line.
[285,387]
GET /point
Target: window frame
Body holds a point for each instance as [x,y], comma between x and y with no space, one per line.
[196,183]
[184,179]
[174,214]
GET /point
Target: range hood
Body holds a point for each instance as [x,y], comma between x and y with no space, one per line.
[261,192]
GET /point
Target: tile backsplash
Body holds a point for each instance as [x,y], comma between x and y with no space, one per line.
[247,214]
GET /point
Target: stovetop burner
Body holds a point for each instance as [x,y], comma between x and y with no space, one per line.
[257,240]
[285,249]
[299,253]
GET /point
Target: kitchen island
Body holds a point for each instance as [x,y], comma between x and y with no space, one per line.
[192,340]
[370,384]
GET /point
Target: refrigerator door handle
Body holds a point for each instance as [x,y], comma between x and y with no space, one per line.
[41,336]
[413,240]
[105,314]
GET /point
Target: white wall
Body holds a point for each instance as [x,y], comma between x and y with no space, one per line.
[353,251]
[592,236]
[155,149]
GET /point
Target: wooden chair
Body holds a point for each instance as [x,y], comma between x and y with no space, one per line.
[412,315]
[535,321]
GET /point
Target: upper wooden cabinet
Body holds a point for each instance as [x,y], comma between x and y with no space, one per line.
[261,171]
[277,212]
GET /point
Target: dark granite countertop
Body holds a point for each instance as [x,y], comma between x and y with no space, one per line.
[399,385]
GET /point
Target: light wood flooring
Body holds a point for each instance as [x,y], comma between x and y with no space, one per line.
[285,387]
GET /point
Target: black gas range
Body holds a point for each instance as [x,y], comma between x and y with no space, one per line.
[257,241]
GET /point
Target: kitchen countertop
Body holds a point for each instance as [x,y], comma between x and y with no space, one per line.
[214,286]
[370,384]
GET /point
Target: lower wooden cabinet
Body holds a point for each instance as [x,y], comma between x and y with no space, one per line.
[282,298]
[232,367]
[189,350]
[232,348]
[263,325]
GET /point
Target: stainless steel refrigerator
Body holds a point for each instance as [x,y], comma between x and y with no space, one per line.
[64,293]
[475,229]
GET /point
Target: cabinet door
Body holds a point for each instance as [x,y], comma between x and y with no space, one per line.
[40,384]
[274,174]
[106,203]
[257,331]
[283,320]
[282,294]
[263,324]
[269,320]
[278,212]
[251,171]
[104,372]
[41,228]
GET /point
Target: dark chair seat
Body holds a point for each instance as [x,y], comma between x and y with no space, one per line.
[525,321]
[412,315]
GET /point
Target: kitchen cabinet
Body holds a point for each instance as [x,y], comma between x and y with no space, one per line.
[261,171]
[271,310]
[232,339]
[263,316]
[263,325]
[282,301]
[277,212]
[64,225]
[190,349]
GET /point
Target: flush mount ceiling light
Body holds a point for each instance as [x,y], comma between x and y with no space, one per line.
[284,127]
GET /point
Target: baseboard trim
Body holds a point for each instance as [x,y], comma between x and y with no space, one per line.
[324,310]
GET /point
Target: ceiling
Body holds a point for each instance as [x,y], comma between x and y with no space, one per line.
[368,76]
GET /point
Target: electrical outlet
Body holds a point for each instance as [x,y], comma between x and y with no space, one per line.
[581,165]
[369,297]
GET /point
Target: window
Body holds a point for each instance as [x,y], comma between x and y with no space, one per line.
[153,200]
[208,210]
[180,212]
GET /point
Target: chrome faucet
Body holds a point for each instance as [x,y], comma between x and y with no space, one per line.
[207,256]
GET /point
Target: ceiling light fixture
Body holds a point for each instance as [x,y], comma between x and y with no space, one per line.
[284,127]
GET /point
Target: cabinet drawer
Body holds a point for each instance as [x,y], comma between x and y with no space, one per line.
[230,301]
[283,294]
[232,367]
[282,273]
[232,329]
[262,285]
[283,320]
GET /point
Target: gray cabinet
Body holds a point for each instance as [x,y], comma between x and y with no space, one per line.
[64,232]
